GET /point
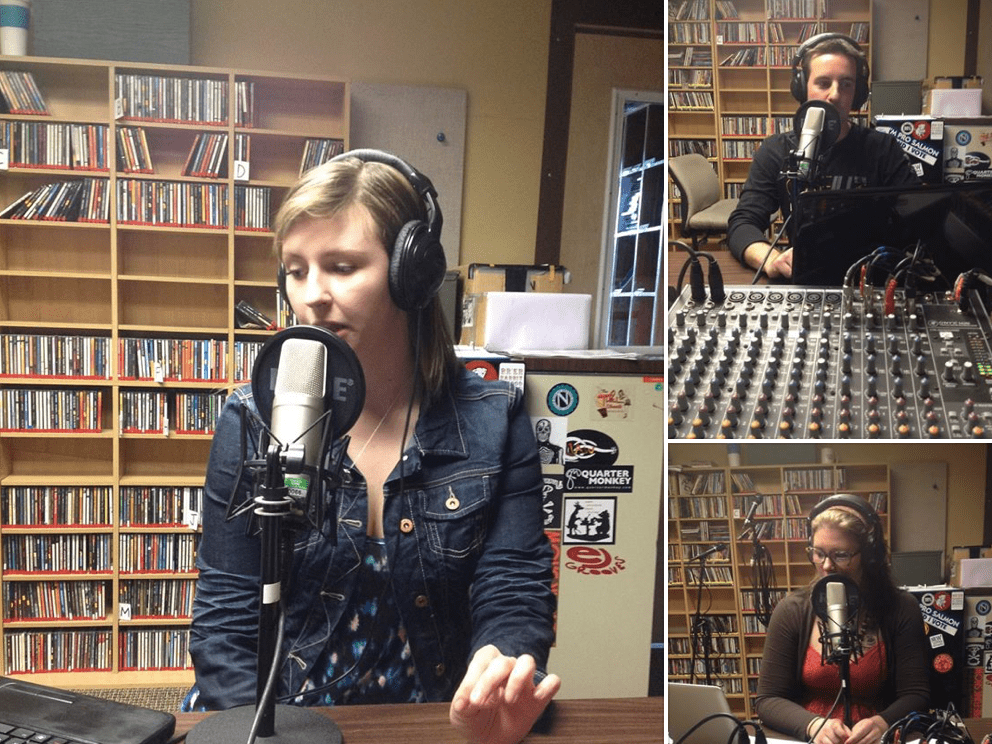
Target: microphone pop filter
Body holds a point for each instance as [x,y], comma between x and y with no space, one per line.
[343,391]
[831,122]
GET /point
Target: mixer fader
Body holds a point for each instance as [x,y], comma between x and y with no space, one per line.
[792,362]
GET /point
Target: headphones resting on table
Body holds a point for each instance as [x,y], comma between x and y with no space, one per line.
[416,262]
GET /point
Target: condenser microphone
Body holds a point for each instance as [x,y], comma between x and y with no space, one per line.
[835,602]
[836,613]
[298,403]
[818,126]
[309,389]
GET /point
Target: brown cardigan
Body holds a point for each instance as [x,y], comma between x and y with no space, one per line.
[780,686]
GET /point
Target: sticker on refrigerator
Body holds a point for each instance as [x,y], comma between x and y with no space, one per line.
[563,399]
[593,561]
[590,520]
[618,479]
[613,404]
[590,447]
[551,495]
[551,436]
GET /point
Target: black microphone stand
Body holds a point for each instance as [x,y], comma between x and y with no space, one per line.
[277,523]
[762,573]
[702,630]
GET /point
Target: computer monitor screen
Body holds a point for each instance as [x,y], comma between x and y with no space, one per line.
[836,228]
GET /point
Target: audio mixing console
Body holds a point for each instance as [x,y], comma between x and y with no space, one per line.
[793,362]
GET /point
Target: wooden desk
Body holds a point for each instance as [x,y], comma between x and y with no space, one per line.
[731,269]
[630,720]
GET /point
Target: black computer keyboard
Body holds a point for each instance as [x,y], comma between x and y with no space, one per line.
[17,735]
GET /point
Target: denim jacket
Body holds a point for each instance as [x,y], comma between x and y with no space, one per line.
[470,563]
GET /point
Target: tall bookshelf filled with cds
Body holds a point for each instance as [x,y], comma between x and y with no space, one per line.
[729,72]
[715,629]
[137,283]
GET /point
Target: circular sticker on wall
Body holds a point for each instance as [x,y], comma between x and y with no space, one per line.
[563,399]
[943,663]
[483,369]
[963,137]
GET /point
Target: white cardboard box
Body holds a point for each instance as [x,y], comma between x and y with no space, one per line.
[976,572]
[954,102]
[501,321]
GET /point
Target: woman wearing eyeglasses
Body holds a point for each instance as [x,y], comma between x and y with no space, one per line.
[889,678]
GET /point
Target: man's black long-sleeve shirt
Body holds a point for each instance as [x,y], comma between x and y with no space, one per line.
[865,157]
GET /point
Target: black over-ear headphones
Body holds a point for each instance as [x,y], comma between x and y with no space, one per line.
[875,546]
[799,80]
[416,262]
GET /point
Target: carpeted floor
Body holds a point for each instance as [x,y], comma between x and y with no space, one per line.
[166,699]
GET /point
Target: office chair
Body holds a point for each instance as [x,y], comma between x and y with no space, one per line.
[704,213]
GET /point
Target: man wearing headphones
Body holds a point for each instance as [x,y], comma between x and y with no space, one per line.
[798,685]
[828,67]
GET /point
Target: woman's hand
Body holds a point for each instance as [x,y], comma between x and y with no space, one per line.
[497,701]
[868,731]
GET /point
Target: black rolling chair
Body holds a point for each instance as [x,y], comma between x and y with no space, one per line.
[704,213]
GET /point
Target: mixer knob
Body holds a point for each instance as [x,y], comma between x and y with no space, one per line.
[721,319]
[890,321]
[845,365]
[949,371]
[709,402]
[826,323]
[897,389]
[921,366]
[896,365]
[893,344]
[870,320]
[784,322]
[701,320]
[903,431]
[869,343]
[730,418]
[848,321]
[675,415]
[755,431]
[845,385]
[734,406]
[690,334]
[925,388]
[917,321]
[682,402]
[727,429]
[844,415]
[740,387]
[968,373]
[767,388]
[785,429]
[870,367]
[806,316]
[933,432]
[844,431]
[977,432]
[917,344]
[872,387]
[969,405]
[673,433]
[815,430]
[698,430]
[847,346]
[673,369]
[874,431]
[816,414]
[823,348]
[702,417]
[763,320]
[742,321]
[680,318]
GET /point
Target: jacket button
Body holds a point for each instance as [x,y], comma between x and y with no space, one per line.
[439,670]
[421,601]
[406,526]
[452,503]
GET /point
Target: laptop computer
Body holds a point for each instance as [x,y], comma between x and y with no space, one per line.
[74,717]
[834,228]
[689,704]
